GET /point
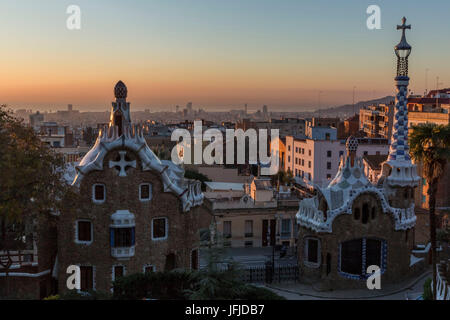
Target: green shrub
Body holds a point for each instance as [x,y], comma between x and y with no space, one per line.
[183,285]
[427,293]
[155,285]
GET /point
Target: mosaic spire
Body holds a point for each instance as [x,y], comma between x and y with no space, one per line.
[399,149]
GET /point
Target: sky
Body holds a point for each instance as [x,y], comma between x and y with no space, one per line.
[217,54]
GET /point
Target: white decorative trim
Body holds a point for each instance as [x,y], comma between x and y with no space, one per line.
[76,232]
[166,227]
[24,274]
[93,193]
[310,217]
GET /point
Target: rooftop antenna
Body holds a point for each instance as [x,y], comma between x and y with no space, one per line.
[426,80]
[437,91]
[354,111]
[318,103]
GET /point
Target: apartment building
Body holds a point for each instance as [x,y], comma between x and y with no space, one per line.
[253,217]
[431,108]
[315,158]
[376,120]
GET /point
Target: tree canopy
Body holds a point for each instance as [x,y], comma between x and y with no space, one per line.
[31,180]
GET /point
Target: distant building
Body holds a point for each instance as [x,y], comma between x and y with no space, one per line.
[36,119]
[253,215]
[376,120]
[55,135]
[351,127]
[432,108]
[316,160]
[286,126]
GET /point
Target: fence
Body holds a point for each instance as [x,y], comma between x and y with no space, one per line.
[442,285]
[267,274]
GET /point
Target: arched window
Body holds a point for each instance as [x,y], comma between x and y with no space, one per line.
[356,255]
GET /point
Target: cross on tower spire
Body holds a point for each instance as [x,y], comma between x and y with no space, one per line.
[403,27]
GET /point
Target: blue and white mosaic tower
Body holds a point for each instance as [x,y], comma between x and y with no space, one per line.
[398,170]
[399,149]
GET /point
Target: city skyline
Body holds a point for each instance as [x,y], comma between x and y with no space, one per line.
[217,54]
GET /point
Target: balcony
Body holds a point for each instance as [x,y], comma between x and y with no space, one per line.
[122,252]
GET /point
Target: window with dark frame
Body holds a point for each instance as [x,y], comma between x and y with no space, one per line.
[248,228]
[194,259]
[159,228]
[84,231]
[358,254]
[313,251]
[148,269]
[227,229]
[145,191]
[99,192]
[87,278]
[118,272]
[123,237]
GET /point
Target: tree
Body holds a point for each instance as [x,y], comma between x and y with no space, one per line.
[31,184]
[430,145]
[191,174]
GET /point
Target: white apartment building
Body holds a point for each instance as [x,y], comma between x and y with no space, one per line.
[317,160]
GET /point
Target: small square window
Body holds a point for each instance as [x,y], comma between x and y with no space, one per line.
[159,228]
[118,272]
[149,269]
[99,193]
[329,165]
[329,154]
[145,192]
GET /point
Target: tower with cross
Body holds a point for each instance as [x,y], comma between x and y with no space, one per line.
[399,173]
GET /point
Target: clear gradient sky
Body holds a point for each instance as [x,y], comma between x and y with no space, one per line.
[214,53]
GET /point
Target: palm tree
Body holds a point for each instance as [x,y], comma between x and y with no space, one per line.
[430,145]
